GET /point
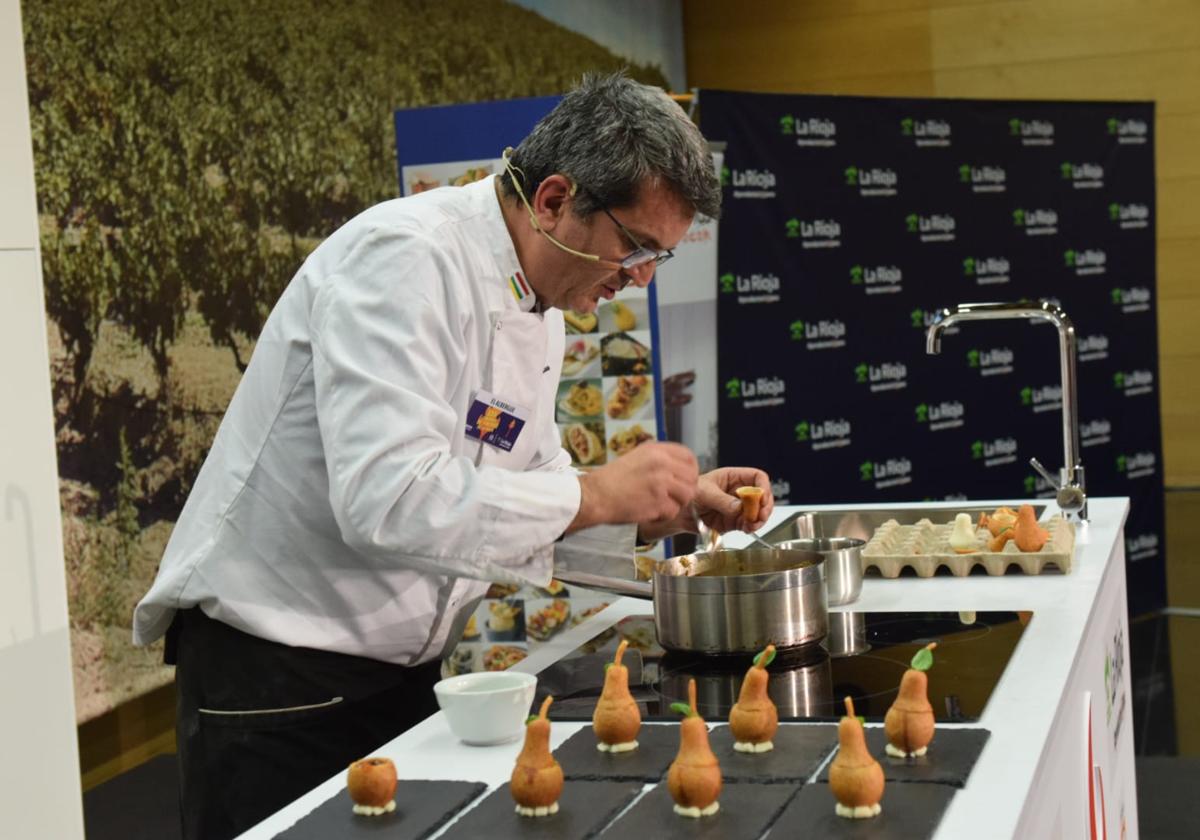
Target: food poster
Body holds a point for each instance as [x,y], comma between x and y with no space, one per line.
[429,176]
[606,404]
[608,397]
[513,621]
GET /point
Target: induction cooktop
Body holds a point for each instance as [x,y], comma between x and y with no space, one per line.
[863,657]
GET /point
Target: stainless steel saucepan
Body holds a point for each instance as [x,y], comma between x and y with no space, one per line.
[729,601]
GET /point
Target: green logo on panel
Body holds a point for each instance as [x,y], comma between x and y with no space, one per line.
[1069,258]
[802,430]
[787,124]
[856,275]
[969,267]
[922,412]
[851,173]
[1019,217]
[1117,296]
[733,388]
[1026,396]
[917,316]
[797,328]
[1119,381]
[977,450]
[1030,485]
[906,126]
[860,373]
[964,173]
[866,471]
[792,226]
[973,358]
[727,283]
[912,220]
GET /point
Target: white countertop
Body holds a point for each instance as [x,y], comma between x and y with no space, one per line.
[1019,713]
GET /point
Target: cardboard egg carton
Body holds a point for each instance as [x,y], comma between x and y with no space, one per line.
[925,546]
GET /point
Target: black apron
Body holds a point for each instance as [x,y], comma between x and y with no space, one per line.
[258,723]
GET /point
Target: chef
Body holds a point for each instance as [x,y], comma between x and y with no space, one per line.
[391,448]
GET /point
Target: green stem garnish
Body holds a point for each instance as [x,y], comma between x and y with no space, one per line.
[770,652]
[683,709]
[923,660]
[530,719]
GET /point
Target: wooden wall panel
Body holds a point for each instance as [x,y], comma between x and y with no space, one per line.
[1163,77]
[1178,272]
[1177,147]
[1024,31]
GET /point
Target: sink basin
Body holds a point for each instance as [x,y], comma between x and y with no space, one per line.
[861,524]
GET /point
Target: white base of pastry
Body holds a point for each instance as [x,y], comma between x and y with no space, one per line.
[375,810]
[628,746]
[896,752]
[540,811]
[696,813]
[862,812]
[749,747]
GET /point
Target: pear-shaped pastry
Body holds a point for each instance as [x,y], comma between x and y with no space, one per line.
[694,778]
[909,722]
[753,720]
[616,720]
[1028,535]
[962,535]
[1004,517]
[855,777]
[537,780]
[751,502]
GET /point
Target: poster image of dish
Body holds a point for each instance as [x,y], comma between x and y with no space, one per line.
[505,620]
[580,323]
[502,657]
[579,399]
[430,176]
[625,315]
[547,617]
[629,397]
[625,353]
[581,356]
[464,659]
[624,437]
[585,443]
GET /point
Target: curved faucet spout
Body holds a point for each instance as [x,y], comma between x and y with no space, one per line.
[1070,491]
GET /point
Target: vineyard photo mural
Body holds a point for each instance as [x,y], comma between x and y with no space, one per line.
[188,157]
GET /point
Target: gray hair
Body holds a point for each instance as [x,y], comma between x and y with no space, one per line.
[609,135]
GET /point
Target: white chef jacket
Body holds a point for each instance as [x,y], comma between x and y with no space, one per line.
[341,506]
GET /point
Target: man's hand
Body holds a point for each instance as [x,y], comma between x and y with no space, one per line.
[653,483]
[717,504]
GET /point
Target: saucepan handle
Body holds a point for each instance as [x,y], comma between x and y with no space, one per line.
[612,585]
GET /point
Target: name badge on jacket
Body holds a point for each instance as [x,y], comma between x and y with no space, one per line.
[494,421]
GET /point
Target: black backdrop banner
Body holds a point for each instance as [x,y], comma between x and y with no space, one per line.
[849,221]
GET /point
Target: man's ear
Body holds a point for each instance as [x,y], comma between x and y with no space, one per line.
[551,199]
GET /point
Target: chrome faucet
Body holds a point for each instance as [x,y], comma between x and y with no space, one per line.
[1070,493]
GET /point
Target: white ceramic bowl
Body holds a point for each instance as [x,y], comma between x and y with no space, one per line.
[489,707]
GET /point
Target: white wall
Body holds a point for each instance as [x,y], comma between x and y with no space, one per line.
[39,760]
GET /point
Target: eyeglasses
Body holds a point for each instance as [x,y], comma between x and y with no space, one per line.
[641,254]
